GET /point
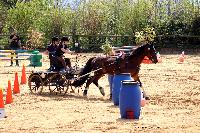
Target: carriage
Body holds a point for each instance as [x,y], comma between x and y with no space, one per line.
[55,81]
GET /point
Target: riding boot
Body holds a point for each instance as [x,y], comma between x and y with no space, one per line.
[11,63]
[17,62]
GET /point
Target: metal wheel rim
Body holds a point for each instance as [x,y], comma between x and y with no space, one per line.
[33,87]
[56,87]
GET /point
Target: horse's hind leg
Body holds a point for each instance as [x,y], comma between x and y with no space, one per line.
[95,81]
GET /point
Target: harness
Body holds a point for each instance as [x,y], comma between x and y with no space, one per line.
[118,61]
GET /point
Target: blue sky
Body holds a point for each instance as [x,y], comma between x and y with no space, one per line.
[72,3]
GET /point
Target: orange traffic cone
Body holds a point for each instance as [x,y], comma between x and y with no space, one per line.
[9,94]
[2,111]
[181,57]
[23,77]
[1,99]
[159,57]
[16,84]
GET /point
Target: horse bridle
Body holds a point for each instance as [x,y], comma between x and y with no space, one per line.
[151,57]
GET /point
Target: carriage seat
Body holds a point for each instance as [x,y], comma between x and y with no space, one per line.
[57,64]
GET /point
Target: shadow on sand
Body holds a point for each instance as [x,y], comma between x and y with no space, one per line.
[68,96]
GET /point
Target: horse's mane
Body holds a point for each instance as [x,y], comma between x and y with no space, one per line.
[137,51]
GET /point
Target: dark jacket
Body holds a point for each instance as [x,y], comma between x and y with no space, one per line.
[15,42]
[52,49]
[59,52]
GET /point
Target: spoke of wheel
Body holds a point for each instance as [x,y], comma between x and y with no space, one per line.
[55,81]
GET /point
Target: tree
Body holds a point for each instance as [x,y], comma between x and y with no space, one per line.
[3,13]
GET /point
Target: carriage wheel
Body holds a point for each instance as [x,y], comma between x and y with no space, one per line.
[35,84]
[57,83]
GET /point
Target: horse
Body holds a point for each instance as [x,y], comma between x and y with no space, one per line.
[111,65]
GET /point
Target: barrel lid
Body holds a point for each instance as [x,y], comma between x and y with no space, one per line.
[35,52]
[129,82]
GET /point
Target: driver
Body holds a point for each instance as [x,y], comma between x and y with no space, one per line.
[51,49]
[61,50]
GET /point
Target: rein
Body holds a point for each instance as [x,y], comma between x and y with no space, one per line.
[88,73]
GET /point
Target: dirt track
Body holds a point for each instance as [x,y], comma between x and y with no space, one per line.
[174,90]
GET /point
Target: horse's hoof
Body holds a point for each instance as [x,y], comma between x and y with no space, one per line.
[102,91]
[147,98]
[85,93]
[110,97]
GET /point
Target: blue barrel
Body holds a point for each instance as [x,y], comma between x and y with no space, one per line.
[110,80]
[116,85]
[129,100]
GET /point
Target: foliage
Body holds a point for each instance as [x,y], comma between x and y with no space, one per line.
[107,48]
[21,17]
[3,12]
[100,17]
[35,39]
[54,23]
[9,3]
[145,36]
[41,15]
[195,28]
[135,16]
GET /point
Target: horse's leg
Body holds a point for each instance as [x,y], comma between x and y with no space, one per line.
[136,78]
[95,81]
[100,87]
[89,81]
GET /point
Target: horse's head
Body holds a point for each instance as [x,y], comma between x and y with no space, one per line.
[150,52]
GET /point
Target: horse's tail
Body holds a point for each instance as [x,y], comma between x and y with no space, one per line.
[87,68]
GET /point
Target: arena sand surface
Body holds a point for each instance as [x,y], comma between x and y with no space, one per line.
[174,90]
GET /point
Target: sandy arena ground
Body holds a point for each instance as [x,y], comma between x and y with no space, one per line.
[174,90]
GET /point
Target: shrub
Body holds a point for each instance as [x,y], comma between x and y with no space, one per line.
[145,36]
[107,48]
[35,39]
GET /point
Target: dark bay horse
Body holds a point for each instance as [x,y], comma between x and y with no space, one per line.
[111,65]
